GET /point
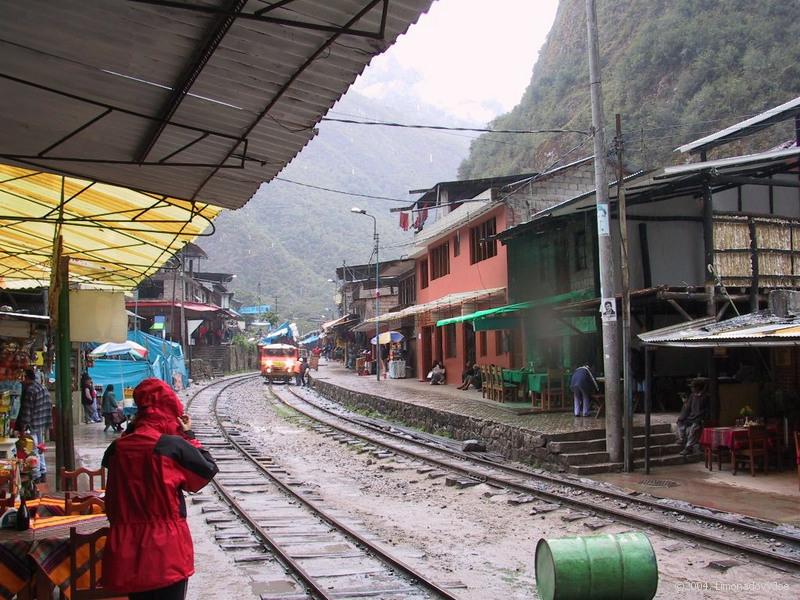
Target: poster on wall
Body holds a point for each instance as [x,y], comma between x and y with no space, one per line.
[602,220]
[608,311]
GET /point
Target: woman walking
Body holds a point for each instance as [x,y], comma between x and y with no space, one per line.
[110,410]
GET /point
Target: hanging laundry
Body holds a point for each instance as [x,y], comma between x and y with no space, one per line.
[404,221]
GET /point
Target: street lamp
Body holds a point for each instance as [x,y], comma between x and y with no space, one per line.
[361,211]
[335,291]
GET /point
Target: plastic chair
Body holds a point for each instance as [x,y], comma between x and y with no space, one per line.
[756,448]
[71,478]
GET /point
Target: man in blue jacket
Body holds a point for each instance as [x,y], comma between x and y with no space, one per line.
[583,385]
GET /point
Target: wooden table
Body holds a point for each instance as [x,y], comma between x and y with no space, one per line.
[530,381]
[730,438]
[41,554]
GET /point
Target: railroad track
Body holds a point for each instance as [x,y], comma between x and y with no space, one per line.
[273,515]
[771,543]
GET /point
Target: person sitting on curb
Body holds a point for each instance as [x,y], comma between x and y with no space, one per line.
[472,377]
[690,419]
[437,374]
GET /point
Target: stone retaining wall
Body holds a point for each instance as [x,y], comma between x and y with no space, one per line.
[512,442]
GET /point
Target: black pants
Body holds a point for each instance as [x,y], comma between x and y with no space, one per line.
[176,591]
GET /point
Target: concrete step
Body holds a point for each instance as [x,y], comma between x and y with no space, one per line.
[599,445]
[589,458]
[600,433]
[638,465]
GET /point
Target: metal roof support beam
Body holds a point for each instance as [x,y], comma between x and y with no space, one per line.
[205,50]
[113,108]
[755,181]
[256,16]
[279,94]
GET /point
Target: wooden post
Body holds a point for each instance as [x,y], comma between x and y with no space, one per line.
[648,403]
[710,285]
[613,419]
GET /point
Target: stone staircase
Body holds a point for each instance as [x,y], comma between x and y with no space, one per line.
[584,452]
[216,357]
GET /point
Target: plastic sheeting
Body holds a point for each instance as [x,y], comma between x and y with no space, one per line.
[164,360]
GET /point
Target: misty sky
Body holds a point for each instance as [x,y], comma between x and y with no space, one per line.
[470,58]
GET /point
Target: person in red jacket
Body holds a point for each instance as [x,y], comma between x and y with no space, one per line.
[148,552]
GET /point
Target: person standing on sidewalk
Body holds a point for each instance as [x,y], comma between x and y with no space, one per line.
[583,385]
[36,414]
[149,552]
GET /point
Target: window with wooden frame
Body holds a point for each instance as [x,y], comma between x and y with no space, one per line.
[407,291]
[450,340]
[498,342]
[483,343]
[440,260]
[457,244]
[423,273]
[482,244]
[580,250]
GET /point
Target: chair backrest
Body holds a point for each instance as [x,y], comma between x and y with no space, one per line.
[69,479]
[79,591]
[83,506]
[757,437]
[555,379]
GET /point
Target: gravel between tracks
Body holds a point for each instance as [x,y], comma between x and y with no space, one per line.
[469,535]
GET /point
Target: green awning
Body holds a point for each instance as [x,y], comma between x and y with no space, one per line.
[557,299]
[484,313]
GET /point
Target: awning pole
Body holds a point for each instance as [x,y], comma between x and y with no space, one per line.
[65,448]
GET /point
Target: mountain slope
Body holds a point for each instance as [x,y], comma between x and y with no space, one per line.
[674,69]
[290,238]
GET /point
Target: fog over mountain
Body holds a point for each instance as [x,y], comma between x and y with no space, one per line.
[290,238]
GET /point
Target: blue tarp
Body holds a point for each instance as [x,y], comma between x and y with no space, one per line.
[164,360]
[285,330]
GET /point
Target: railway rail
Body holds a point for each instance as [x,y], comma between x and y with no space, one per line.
[328,557]
[769,542]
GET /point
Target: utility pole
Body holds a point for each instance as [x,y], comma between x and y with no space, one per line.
[605,250]
[626,300]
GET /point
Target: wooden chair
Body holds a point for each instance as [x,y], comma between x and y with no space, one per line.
[756,448]
[554,390]
[69,479]
[712,453]
[797,455]
[486,384]
[491,378]
[82,506]
[507,391]
[92,567]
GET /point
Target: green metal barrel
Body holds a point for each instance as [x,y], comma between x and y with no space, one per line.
[618,566]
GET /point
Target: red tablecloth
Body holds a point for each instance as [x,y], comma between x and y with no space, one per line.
[46,546]
[730,437]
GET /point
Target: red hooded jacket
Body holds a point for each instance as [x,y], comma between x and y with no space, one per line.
[149,545]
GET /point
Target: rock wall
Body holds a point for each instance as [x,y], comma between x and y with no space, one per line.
[512,442]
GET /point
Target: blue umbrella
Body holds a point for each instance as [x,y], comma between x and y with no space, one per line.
[389,337]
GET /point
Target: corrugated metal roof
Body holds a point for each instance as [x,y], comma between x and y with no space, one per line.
[786,110]
[677,180]
[755,329]
[84,85]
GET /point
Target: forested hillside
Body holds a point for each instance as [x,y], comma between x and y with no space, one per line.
[291,238]
[674,69]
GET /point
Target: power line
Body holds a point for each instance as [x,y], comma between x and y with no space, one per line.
[344,193]
[444,128]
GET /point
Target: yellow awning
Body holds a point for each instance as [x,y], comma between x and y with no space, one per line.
[114,236]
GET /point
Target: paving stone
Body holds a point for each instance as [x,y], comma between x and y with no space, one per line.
[460,482]
[574,516]
[523,499]
[596,523]
[723,565]
[544,507]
